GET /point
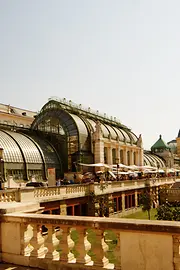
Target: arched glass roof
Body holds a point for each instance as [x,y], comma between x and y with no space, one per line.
[65,119]
[153,160]
[11,151]
[29,149]
[126,135]
[105,131]
[119,133]
[112,132]
[48,152]
[92,124]
[80,124]
[133,136]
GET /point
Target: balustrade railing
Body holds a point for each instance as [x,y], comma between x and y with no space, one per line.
[44,193]
[89,243]
[8,195]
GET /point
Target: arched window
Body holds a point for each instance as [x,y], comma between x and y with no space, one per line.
[128,158]
[105,155]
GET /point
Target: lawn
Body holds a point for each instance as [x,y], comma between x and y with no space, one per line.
[142,215]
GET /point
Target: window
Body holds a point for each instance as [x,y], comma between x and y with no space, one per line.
[114,156]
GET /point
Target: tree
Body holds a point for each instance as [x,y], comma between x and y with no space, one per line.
[169,211]
[164,212]
[146,202]
[176,214]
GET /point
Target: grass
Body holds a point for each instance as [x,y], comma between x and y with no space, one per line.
[143,215]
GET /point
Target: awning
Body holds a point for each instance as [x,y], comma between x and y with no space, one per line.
[112,174]
[94,165]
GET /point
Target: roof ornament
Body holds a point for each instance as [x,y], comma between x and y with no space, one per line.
[139,141]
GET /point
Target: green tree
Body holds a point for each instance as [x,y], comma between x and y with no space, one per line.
[176,214]
[146,202]
[164,212]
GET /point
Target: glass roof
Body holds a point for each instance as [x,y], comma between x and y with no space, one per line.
[120,135]
[126,135]
[29,149]
[133,136]
[112,132]
[80,124]
[105,131]
[92,123]
[48,152]
[153,160]
[11,151]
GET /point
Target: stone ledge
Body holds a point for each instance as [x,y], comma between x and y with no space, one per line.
[96,223]
[11,207]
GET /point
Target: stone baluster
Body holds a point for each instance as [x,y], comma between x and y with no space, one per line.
[97,249]
[49,243]
[26,233]
[64,244]
[80,247]
[34,241]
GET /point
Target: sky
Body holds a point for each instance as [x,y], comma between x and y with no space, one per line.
[121,57]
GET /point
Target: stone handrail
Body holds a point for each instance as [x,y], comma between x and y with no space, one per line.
[66,242]
[73,191]
[110,187]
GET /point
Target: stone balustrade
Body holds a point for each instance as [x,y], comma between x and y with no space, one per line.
[8,195]
[59,242]
[73,191]
[110,187]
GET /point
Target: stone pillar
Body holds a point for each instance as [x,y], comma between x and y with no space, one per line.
[63,208]
[136,198]
[109,151]
[131,157]
[141,163]
[157,196]
[123,201]
[118,153]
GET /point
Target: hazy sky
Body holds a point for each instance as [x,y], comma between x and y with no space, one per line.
[121,57]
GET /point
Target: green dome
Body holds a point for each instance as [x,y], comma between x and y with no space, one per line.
[160,144]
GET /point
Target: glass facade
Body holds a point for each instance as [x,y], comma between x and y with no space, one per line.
[27,156]
[11,151]
[29,149]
